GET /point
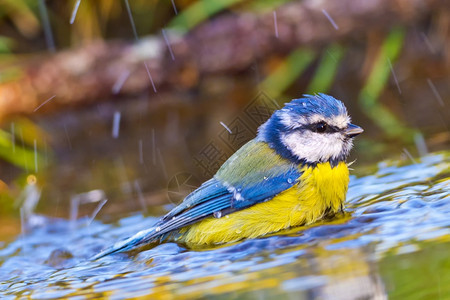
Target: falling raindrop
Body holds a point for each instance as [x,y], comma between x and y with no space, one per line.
[150,77]
[226,127]
[25,160]
[97,210]
[330,19]
[153,147]
[409,155]
[435,92]
[74,12]
[421,145]
[130,16]
[395,77]
[163,165]
[174,7]
[13,138]
[67,136]
[275,23]
[46,26]
[140,195]
[116,125]
[168,44]
[428,43]
[120,82]
[43,103]
[35,157]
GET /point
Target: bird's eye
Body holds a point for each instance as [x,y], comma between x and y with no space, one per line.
[320,127]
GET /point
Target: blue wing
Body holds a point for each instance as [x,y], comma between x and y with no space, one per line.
[254,174]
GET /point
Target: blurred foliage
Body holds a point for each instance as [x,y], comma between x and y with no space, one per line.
[287,72]
[21,31]
[100,19]
[5,44]
[326,70]
[376,82]
[199,12]
[202,10]
[18,147]
[24,147]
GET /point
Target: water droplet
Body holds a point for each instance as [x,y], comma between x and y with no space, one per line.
[173,218]
[238,197]
[227,216]
[238,231]
[217,214]
[290,180]
[265,178]
[304,104]
[158,229]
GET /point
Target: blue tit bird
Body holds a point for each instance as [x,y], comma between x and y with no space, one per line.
[293,173]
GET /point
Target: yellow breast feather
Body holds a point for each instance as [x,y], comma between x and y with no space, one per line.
[320,190]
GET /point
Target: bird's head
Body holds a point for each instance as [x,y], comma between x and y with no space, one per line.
[313,129]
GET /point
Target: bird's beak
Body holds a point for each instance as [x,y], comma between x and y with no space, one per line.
[353,130]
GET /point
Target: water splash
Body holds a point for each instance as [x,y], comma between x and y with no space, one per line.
[395,226]
[94,196]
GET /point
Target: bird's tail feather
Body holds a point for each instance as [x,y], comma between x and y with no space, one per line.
[143,236]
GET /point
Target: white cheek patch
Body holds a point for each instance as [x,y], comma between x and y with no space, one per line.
[315,147]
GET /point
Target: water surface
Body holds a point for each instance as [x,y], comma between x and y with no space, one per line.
[394,240]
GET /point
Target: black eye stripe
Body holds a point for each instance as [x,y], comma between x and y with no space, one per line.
[317,127]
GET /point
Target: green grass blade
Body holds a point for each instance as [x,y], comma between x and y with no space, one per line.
[376,83]
[199,12]
[326,71]
[18,156]
[288,71]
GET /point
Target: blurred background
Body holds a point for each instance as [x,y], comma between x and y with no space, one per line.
[137,102]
